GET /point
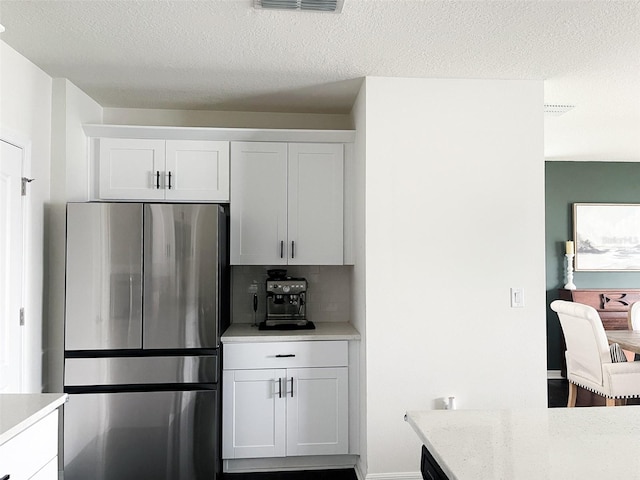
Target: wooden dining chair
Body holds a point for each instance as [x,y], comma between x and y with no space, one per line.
[589,363]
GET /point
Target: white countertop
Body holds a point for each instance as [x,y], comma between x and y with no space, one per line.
[534,444]
[245,332]
[18,411]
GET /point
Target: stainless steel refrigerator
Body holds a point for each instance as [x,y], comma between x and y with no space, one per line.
[147,297]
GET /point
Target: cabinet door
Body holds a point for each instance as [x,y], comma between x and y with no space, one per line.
[131,169]
[253,419]
[197,170]
[258,203]
[104,276]
[317,411]
[315,209]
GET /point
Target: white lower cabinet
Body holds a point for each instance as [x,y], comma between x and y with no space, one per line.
[317,411]
[276,412]
[33,453]
[253,424]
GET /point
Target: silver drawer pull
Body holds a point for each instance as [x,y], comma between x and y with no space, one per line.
[288,355]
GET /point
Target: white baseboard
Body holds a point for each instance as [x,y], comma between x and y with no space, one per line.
[554,375]
[395,476]
[278,464]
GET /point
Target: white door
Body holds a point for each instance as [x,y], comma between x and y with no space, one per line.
[258,203]
[315,213]
[253,419]
[317,411]
[197,170]
[11,267]
[132,169]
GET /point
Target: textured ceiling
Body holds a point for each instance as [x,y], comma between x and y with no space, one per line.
[224,55]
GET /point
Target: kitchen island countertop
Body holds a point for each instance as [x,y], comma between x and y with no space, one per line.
[246,333]
[547,443]
[18,411]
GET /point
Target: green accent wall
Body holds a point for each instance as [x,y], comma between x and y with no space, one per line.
[580,182]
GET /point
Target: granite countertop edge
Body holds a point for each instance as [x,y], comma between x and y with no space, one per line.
[246,333]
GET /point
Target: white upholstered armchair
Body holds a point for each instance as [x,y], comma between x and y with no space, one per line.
[589,362]
[634,316]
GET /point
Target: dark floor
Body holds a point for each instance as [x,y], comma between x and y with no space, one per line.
[558,392]
[342,474]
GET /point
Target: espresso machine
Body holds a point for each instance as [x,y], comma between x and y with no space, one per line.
[286,302]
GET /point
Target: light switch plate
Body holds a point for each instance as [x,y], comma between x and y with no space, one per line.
[517,297]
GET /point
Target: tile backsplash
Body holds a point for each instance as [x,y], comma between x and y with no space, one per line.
[328,295]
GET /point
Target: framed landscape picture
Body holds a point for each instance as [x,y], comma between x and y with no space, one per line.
[607,236]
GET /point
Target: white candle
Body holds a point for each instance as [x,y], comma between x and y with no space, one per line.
[569,247]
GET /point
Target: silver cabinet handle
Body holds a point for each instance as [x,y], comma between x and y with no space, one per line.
[281,249]
[293,249]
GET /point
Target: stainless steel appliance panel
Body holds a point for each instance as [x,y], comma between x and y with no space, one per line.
[181,275]
[141,370]
[141,435]
[104,276]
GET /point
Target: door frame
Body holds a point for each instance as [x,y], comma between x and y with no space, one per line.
[23,142]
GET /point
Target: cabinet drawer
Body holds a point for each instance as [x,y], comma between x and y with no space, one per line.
[285,355]
[29,451]
[48,472]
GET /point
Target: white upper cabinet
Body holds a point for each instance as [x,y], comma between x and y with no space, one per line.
[200,170]
[131,168]
[174,170]
[315,204]
[258,203]
[287,203]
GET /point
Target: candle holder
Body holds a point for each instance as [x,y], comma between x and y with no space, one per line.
[569,285]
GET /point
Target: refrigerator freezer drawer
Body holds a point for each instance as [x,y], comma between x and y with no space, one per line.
[142,436]
[140,370]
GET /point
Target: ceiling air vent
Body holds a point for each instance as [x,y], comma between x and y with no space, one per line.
[334,6]
[556,110]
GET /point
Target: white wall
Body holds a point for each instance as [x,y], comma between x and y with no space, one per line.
[25,114]
[207,118]
[69,182]
[454,218]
